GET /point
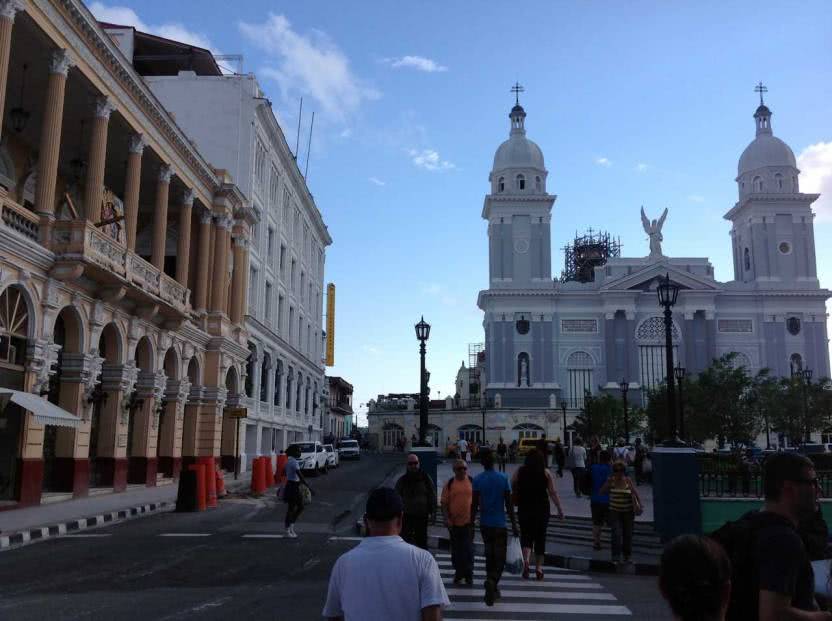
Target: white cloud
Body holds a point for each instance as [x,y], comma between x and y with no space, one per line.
[125,16]
[370,349]
[377,181]
[346,133]
[641,167]
[429,160]
[309,64]
[696,198]
[815,164]
[602,161]
[420,63]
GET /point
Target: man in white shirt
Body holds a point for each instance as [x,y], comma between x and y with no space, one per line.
[383,577]
[462,445]
[578,465]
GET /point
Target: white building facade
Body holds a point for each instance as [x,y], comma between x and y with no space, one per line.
[233,123]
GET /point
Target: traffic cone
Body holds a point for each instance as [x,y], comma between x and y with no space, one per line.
[280,471]
[258,476]
[210,481]
[267,462]
[200,485]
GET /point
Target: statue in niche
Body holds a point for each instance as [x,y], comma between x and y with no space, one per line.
[523,379]
[654,232]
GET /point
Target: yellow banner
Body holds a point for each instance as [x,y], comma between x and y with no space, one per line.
[330,325]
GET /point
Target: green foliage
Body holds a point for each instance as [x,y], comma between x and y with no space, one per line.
[606,413]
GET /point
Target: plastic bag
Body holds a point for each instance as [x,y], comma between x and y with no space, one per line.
[306,494]
[514,556]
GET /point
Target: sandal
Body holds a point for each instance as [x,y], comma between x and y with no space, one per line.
[539,574]
[525,571]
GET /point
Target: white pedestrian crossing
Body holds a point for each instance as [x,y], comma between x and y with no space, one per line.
[561,594]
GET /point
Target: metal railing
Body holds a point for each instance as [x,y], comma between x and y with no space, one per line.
[748,483]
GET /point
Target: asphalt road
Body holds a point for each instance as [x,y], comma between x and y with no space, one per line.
[229,563]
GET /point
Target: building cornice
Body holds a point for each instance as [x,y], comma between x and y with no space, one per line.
[761,198]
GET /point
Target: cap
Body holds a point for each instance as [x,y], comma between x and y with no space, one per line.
[383,504]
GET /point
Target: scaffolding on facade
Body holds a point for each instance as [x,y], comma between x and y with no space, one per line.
[585,253]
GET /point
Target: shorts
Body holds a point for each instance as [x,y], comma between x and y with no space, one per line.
[600,513]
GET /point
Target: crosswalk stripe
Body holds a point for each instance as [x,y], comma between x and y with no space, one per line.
[536,585]
[585,609]
[185,535]
[546,579]
[263,536]
[481,564]
[536,594]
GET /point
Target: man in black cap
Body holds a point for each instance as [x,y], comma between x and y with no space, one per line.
[374,581]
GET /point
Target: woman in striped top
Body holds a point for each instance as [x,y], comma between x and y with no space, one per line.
[625,504]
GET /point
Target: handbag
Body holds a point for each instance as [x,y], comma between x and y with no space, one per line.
[305,494]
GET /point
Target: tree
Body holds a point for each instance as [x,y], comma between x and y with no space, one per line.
[606,413]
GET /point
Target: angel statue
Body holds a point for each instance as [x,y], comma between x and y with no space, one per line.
[654,232]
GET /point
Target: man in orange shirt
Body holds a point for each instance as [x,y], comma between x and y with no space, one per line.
[456,500]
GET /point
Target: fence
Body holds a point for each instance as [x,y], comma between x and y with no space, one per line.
[747,483]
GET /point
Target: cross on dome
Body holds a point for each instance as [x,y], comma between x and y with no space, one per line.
[517,89]
[761,88]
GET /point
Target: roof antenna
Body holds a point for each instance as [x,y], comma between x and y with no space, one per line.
[300,116]
[309,148]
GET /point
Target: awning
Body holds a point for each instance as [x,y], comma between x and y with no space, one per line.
[46,413]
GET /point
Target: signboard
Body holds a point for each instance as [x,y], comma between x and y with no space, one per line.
[122,439]
[330,325]
[236,412]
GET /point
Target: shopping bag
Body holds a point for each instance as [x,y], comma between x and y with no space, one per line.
[468,457]
[306,494]
[514,556]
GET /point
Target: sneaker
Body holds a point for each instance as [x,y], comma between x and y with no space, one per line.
[291,532]
[490,589]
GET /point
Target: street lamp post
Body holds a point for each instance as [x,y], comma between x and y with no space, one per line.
[625,386]
[806,376]
[668,292]
[563,409]
[680,373]
[422,333]
[482,411]
[588,411]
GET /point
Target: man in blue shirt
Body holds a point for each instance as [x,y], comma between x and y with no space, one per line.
[492,497]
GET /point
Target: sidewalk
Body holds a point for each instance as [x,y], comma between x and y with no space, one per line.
[21,526]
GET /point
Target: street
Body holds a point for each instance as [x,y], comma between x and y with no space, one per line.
[229,561]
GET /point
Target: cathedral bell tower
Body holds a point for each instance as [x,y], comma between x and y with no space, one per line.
[518,210]
[772,236]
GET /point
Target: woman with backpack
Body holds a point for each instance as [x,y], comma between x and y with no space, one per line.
[292,492]
[625,504]
[533,485]
[457,495]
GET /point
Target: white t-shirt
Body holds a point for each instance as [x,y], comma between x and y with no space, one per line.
[622,453]
[579,456]
[463,445]
[384,578]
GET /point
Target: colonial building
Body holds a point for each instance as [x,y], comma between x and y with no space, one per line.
[549,342]
[123,267]
[228,117]
[338,422]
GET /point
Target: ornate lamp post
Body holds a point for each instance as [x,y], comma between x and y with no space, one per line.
[563,409]
[482,411]
[668,292]
[806,376]
[680,373]
[422,334]
[625,386]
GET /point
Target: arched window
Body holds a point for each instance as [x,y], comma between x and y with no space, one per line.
[650,337]
[289,379]
[299,394]
[252,356]
[746,259]
[393,434]
[538,185]
[520,182]
[471,433]
[579,367]
[501,184]
[264,377]
[740,361]
[758,184]
[14,327]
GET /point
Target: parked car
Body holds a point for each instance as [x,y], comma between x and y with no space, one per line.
[349,449]
[312,457]
[332,458]
[526,446]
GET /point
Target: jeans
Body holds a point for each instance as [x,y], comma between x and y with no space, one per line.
[415,530]
[294,503]
[462,551]
[621,524]
[495,542]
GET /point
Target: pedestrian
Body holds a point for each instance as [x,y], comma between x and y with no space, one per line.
[638,460]
[578,456]
[418,492]
[594,451]
[772,577]
[512,451]
[695,579]
[292,492]
[383,577]
[560,456]
[533,486]
[502,451]
[462,447]
[599,504]
[492,497]
[621,452]
[543,447]
[457,495]
[625,504]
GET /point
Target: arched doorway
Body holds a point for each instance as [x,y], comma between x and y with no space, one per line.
[472,433]
[14,334]
[526,430]
[230,447]
[191,416]
[141,458]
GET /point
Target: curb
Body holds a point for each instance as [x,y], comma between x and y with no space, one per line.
[33,535]
[576,563]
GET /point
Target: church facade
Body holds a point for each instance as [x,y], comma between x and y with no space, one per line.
[549,341]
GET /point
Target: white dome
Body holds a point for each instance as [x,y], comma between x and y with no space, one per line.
[518,152]
[765,150]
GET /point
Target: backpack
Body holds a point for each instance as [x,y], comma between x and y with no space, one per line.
[738,539]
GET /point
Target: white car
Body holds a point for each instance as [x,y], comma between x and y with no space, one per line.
[349,449]
[332,459]
[313,457]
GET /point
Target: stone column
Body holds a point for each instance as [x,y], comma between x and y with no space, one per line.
[160,219]
[218,297]
[110,463]
[238,278]
[8,9]
[50,142]
[203,261]
[94,188]
[183,246]
[190,425]
[171,427]
[143,459]
[132,186]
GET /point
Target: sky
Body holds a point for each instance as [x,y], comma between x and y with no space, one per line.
[633,103]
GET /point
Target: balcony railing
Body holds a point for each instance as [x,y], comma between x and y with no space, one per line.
[19,219]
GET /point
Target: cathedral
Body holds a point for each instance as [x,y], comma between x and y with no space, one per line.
[550,341]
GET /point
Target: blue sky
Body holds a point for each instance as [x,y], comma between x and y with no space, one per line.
[633,103]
